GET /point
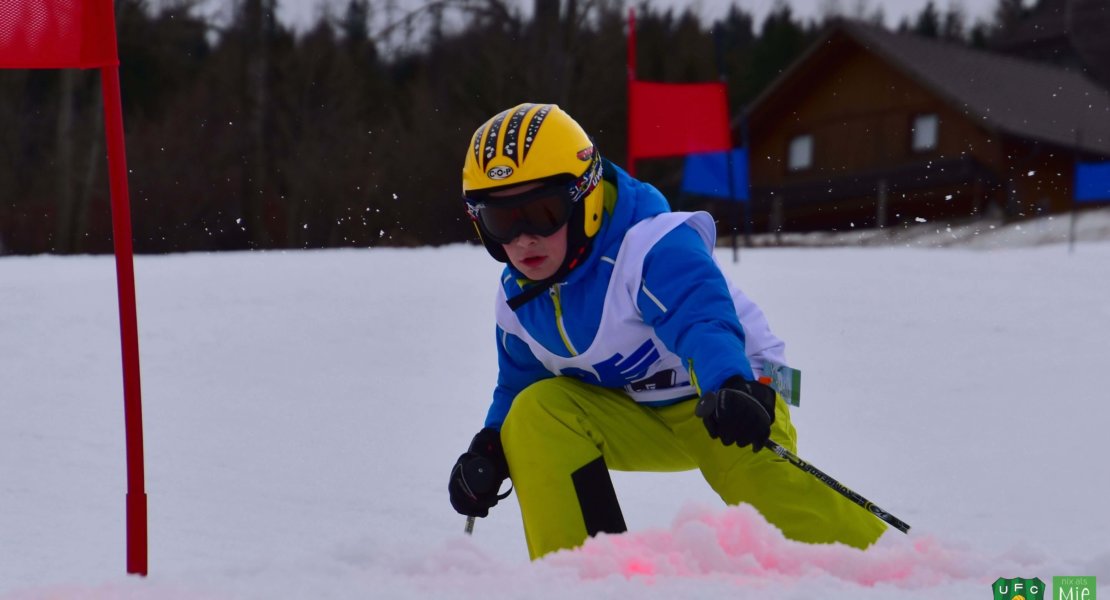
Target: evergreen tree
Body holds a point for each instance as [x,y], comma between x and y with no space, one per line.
[781,40]
[735,35]
[928,21]
[355,23]
[954,23]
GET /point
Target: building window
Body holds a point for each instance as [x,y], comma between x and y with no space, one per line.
[800,154]
[925,132]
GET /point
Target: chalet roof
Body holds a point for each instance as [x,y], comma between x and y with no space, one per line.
[1023,98]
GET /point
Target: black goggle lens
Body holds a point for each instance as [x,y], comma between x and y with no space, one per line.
[541,213]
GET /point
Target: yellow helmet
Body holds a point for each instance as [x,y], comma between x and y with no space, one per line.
[532,143]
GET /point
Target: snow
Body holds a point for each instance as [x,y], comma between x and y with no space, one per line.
[302,411]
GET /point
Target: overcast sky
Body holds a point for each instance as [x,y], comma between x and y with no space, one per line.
[302,11]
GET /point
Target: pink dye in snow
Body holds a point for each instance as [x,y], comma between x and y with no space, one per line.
[738,543]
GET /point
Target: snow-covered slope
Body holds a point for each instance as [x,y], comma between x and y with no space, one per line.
[303,409]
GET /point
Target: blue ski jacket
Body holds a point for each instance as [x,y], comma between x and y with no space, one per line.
[700,322]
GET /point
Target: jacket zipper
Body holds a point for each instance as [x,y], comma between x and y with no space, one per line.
[559,320]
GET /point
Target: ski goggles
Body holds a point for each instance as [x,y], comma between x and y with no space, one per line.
[539,212]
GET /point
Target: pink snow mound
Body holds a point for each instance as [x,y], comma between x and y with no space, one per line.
[738,543]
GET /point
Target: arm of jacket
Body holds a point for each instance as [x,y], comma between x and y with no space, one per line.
[686,299]
[518,368]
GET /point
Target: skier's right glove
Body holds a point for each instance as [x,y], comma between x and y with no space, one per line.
[478,474]
[740,413]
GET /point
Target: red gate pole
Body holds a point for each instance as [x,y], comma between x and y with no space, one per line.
[129,330]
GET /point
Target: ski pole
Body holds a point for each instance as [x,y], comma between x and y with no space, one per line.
[821,476]
[482,481]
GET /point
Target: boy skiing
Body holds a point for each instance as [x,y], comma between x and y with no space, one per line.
[621,345]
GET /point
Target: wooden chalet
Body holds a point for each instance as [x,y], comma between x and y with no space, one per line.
[871,128]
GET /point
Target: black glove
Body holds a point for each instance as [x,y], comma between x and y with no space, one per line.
[478,474]
[740,413]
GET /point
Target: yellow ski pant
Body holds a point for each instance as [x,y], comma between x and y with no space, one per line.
[557,426]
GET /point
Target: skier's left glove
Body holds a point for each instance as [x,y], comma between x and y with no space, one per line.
[740,412]
[478,474]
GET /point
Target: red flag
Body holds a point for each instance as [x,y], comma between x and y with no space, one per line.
[57,34]
[675,119]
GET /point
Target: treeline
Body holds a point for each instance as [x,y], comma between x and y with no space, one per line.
[243,133]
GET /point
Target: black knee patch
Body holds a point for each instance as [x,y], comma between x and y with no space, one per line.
[598,499]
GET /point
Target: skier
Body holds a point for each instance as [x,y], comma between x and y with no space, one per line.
[621,345]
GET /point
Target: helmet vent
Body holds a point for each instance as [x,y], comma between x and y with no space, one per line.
[512,133]
[478,144]
[491,138]
[533,128]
